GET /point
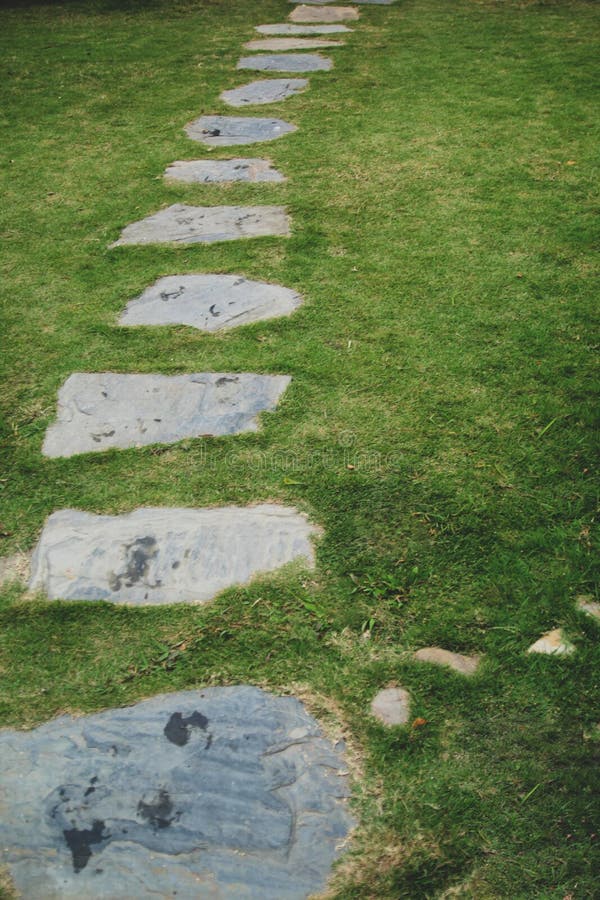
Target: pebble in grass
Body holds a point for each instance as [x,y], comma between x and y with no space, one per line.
[205,171]
[391,706]
[285,29]
[107,410]
[588,606]
[290,43]
[209,302]
[465,665]
[553,643]
[326,14]
[227,131]
[286,62]
[220,792]
[162,555]
[265,90]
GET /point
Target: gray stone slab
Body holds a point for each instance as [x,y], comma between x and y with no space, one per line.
[391,706]
[286,62]
[265,90]
[210,794]
[325,14]
[290,43]
[103,410]
[182,224]
[161,556]
[205,171]
[209,302]
[228,131]
[326,2]
[302,29]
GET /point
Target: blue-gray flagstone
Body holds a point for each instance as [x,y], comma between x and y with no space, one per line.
[286,62]
[103,410]
[265,90]
[205,171]
[301,29]
[279,44]
[228,131]
[220,793]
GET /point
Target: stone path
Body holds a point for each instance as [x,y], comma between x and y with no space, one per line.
[302,29]
[101,411]
[328,14]
[287,62]
[205,171]
[153,556]
[209,302]
[181,224]
[227,131]
[291,43]
[266,90]
[224,792]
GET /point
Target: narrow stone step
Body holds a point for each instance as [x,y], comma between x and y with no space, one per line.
[286,62]
[182,224]
[165,555]
[103,410]
[326,2]
[285,28]
[205,171]
[325,14]
[290,43]
[265,90]
[209,302]
[221,792]
[227,131]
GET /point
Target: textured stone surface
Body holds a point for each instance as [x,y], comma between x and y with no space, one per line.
[212,794]
[553,643]
[391,706]
[587,605]
[302,29]
[326,2]
[203,171]
[102,410]
[290,43]
[156,556]
[286,62]
[182,224]
[466,665]
[326,14]
[209,302]
[227,131]
[265,90]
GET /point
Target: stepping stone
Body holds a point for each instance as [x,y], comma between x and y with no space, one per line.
[325,2]
[221,792]
[209,302]
[102,410]
[391,706]
[203,171]
[466,665]
[588,606]
[302,29]
[164,556]
[305,13]
[227,131]
[181,224]
[553,643]
[266,90]
[286,62]
[291,43]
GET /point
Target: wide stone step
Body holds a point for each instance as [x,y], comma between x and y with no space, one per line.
[209,302]
[103,410]
[222,792]
[265,90]
[163,555]
[205,171]
[228,131]
[284,28]
[182,224]
[290,43]
[325,14]
[286,62]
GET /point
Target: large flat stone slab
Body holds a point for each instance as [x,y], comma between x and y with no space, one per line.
[286,62]
[228,131]
[205,171]
[209,302]
[325,14]
[182,224]
[290,43]
[103,410]
[223,792]
[160,556]
[285,28]
[326,2]
[265,90]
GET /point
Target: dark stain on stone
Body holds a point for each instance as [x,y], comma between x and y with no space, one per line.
[176,564]
[177,729]
[138,556]
[165,296]
[80,841]
[158,812]
[91,789]
[213,132]
[221,382]
[98,437]
[214,311]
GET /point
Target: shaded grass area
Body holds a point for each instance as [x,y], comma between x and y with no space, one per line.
[441,185]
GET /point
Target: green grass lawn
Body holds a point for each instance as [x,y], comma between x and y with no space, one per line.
[442,189]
